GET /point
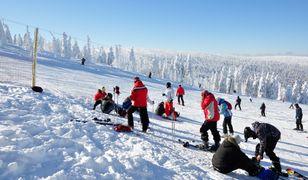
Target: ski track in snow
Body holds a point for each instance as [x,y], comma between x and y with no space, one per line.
[38,140]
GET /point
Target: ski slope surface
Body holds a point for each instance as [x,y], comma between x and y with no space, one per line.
[38,140]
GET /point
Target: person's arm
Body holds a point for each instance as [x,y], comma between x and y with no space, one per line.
[205,102]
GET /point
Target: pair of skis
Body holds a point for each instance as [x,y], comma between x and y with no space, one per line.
[193,145]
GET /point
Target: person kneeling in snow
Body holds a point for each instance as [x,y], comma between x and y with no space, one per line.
[108,104]
[229,157]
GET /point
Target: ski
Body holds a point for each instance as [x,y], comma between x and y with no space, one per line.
[292,172]
[187,144]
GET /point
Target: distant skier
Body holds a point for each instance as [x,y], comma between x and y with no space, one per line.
[262,108]
[83,60]
[100,94]
[238,103]
[180,93]
[225,109]
[250,98]
[229,157]
[210,109]
[150,75]
[298,117]
[268,135]
[138,96]
[169,95]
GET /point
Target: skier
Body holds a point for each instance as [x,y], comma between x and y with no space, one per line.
[100,94]
[169,95]
[83,60]
[298,116]
[238,103]
[179,93]
[268,136]
[138,96]
[226,111]
[210,109]
[150,75]
[250,98]
[262,108]
[229,157]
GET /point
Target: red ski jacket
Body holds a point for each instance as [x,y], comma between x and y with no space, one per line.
[139,94]
[99,96]
[210,108]
[180,91]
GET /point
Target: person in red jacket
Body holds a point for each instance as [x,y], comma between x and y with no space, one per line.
[139,96]
[210,108]
[100,94]
[180,93]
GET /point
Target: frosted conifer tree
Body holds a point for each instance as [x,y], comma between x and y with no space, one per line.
[19,41]
[66,46]
[110,57]
[296,91]
[8,34]
[56,47]
[132,59]
[27,42]
[76,51]
[2,35]
[41,43]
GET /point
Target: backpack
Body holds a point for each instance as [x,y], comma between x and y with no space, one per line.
[122,128]
[160,110]
[229,105]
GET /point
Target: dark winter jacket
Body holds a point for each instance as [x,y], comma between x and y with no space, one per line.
[263,107]
[139,94]
[299,113]
[266,133]
[238,100]
[229,157]
[107,105]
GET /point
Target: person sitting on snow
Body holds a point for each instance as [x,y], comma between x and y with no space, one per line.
[100,94]
[108,104]
[229,157]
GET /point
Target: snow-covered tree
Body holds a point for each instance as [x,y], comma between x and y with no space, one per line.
[110,57]
[76,51]
[2,35]
[132,59]
[102,57]
[66,44]
[8,34]
[27,42]
[56,47]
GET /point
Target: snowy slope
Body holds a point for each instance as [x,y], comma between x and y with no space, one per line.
[38,141]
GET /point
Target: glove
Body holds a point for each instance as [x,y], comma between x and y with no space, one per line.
[164,94]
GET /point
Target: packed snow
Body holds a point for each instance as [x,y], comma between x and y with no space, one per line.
[38,140]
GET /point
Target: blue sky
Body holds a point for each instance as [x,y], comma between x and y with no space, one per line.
[213,26]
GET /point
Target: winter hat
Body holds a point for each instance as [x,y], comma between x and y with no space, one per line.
[168,85]
[103,89]
[238,139]
[136,79]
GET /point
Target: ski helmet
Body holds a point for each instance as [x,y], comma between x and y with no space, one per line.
[168,85]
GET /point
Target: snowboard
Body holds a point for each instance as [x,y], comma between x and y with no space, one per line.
[292,172]
[193,145]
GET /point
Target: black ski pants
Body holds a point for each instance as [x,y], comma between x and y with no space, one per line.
[269,149]
[263,112]
[180,98]
[299,124]
[227,122]
[143,112]
[239,106]
[98,102]
[212,126]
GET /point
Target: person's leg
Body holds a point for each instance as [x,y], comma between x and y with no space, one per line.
[167,109]
[224,126]
[97,103]
[182,100]
[215,133]
[239,106]
[230,125]
[130,118]
[269,151]
[204,135]
[179,97]
[144,118]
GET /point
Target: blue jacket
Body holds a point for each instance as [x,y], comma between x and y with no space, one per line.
[223,108]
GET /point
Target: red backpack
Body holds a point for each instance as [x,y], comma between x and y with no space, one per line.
[122,128]
[229,105]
